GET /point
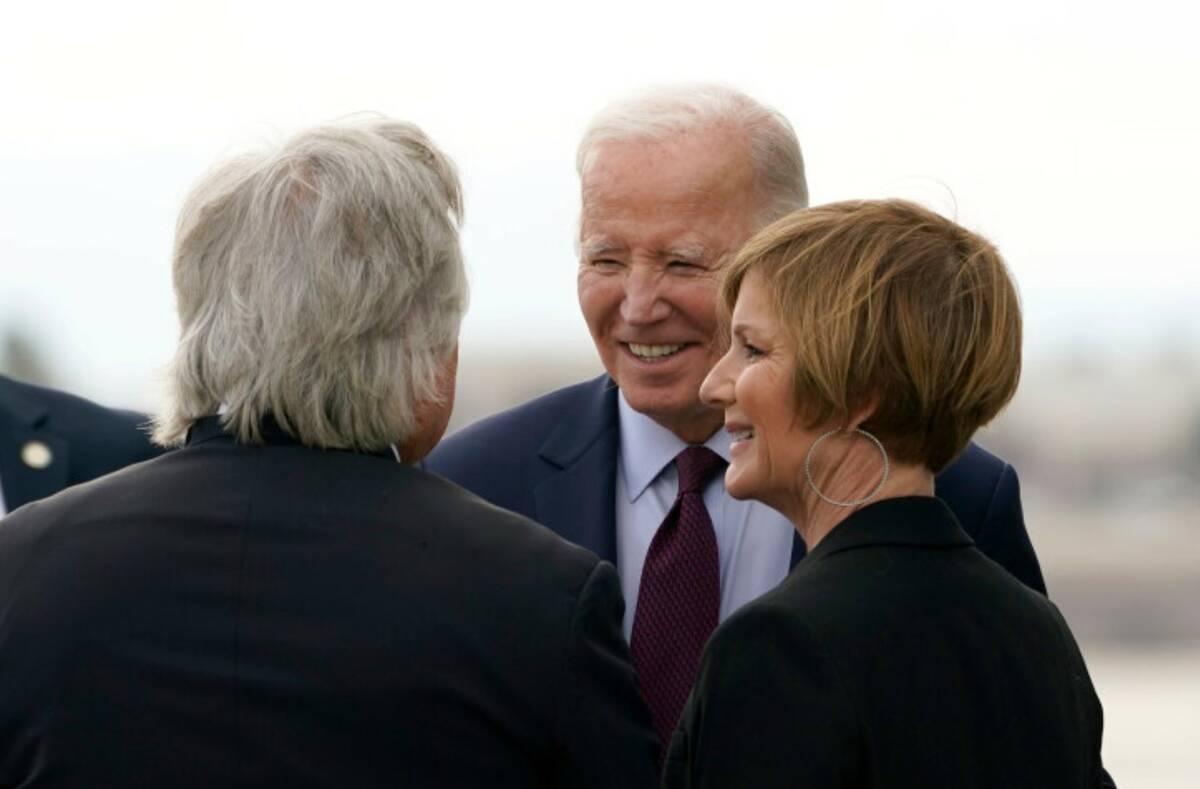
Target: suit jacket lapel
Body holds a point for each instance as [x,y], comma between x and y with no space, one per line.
[578,500]
[798,550]
[20,425]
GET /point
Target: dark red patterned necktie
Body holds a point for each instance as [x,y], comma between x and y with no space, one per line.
[680,595]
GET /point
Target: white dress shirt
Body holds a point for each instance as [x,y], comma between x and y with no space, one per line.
[754,542]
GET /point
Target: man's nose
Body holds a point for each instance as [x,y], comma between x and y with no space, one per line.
[643,303]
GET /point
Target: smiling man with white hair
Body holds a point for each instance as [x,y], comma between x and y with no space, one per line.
[630,464]
[280,602]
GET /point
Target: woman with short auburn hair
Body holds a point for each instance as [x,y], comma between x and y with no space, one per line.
[869,341]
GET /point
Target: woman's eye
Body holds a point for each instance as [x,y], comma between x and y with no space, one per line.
[751,351]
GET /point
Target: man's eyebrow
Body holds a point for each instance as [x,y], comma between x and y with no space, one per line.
[686,251]
[599,246]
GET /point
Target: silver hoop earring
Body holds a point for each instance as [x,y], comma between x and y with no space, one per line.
[853,502]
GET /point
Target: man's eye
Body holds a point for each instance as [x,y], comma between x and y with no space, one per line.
[683,264]
[606,263]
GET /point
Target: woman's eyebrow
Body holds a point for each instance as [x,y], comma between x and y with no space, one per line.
[740,329]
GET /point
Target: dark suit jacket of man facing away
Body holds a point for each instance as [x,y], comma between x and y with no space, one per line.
[231,615]
[554,459]
[85,440]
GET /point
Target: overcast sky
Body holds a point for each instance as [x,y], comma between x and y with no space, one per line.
[1065,131]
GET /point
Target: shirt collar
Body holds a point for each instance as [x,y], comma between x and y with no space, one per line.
[647,447]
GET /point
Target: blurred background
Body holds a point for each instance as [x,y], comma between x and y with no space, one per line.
[1062,131]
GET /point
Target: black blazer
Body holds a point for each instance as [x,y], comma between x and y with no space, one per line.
[84,440]
[228,615]
[554,459]
[895,655]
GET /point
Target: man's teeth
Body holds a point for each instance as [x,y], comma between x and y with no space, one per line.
[653,351]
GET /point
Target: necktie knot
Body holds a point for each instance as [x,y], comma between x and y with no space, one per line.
[696,467]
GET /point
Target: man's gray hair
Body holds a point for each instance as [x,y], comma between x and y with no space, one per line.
[320,284]
[664,112]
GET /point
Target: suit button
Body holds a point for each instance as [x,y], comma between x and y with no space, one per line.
[36,455]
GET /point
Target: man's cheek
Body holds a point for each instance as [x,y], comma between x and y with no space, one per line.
[597,298]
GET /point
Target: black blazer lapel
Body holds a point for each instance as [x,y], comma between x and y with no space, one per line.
[578,500]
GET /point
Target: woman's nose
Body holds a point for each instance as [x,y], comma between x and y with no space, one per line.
[717,389]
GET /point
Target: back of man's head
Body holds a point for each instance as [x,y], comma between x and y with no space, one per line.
[319,284]
[662,113]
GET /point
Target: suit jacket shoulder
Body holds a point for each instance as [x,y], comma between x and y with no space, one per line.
[501,457]
[86,440]
[553,459]
[984,494]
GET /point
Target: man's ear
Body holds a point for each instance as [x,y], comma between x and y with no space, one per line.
[432,416]
[448,377]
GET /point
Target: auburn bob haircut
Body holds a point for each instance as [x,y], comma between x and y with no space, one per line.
[894,309]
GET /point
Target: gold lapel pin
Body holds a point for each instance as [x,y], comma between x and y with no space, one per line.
[36,455]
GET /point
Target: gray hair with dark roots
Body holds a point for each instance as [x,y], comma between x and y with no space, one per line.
[663,112]
[320,284]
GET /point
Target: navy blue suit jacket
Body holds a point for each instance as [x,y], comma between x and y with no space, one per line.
[554,459]
[85,440]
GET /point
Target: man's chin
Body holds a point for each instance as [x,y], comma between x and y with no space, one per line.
[677,409]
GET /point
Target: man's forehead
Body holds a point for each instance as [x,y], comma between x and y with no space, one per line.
[665,191]
[691,162]
[632,198]
[695,221]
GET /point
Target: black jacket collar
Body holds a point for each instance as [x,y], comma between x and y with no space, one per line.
[210,428]
[919,521]
[21,411]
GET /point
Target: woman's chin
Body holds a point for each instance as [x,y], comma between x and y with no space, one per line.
[740,485]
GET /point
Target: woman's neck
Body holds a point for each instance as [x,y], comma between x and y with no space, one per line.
[815,518]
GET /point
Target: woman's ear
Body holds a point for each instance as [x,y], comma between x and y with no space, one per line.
[863,412]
